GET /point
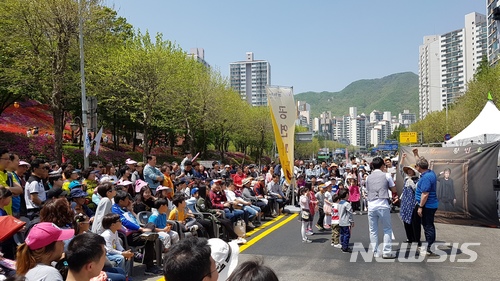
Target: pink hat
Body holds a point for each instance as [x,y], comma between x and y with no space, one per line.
[130,162]
[45,233]
[140,184]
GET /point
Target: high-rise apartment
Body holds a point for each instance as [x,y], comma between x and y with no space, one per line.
[448,61]
[249,78]
[493,11]
[199,55]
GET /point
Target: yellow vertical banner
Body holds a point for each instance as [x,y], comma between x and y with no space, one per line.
[283,115]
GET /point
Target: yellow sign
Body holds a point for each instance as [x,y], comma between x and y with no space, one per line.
[408,137]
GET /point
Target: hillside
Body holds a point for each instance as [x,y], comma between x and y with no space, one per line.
[391,93]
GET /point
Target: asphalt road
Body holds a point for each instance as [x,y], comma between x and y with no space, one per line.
[279,245]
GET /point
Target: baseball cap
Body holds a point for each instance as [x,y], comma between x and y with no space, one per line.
[194,190]
[77,193]
[130,162]
[225,256]
[215,181]
[45,233]
[140,184]
[74,184]
[23,163]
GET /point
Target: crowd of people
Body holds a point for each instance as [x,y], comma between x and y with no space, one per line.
[337,193]
[130,209]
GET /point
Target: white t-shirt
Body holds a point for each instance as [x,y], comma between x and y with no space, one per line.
[113,246]
[35,187]
[42,272]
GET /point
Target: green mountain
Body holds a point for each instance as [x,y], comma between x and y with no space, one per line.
[393,93]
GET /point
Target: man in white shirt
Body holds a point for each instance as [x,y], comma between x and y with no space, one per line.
[378,185]
[34,191]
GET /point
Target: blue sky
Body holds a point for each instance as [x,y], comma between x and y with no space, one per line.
[311,45]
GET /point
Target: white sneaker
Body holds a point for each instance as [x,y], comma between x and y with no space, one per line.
[240,241]
[307,241]
[193,228]
[337,246]
[309,233]
[251,224]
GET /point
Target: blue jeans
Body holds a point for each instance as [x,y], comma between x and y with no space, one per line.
[118,259]
[345,235]
[234,215]
[383,216]
[251,210]
[428,225]
[115,273]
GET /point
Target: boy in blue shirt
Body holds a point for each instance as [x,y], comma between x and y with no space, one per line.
[164,229]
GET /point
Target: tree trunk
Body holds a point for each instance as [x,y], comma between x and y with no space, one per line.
[56,114]
[133,139]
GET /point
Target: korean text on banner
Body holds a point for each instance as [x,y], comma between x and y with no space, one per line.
[283,115]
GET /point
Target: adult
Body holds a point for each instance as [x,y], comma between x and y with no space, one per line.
[4,162]
[138,174]
[275,191]
[34,192]
[85,256]
[408,211]
[152,175]
[14,185]
[219,201]
[225,256]
[190,260]
[131,165]
[215,173]
[446,191]
[378,185]
[427,201]
[43,245]
[188,157]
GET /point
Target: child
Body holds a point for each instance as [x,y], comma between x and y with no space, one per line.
[114,251]
[187,220]
[327,207]
[335,222]
[355,196]
[345,220]
[304,208]
[159,219]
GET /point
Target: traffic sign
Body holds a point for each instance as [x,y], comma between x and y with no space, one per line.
[408,137]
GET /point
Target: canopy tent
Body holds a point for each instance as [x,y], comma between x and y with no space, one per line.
[484,129]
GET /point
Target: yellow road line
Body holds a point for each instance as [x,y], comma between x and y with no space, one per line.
[263,234]
[267,232]
[264,225]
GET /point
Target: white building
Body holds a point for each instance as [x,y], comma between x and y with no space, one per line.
[447,62]
[199,55]
[249,78]
[304,115]
[406,118]
[375,116]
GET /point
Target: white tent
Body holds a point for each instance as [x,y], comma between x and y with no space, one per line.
[484,129]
